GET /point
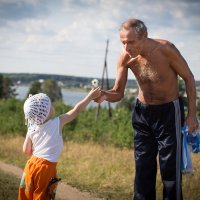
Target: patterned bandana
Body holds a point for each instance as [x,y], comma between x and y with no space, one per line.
[36,109]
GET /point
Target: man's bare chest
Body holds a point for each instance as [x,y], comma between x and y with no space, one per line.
[149,72]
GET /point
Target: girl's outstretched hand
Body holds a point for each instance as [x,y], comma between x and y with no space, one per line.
[94,93]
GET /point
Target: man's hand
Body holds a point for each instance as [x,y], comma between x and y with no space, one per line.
[101,98]
[192,123]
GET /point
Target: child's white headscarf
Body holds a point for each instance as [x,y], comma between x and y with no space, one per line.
[37,108]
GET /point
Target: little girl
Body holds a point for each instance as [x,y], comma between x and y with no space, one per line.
[44,143]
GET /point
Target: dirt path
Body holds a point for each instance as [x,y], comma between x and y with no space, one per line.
[64,192]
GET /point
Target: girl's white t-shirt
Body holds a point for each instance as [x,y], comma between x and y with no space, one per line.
[47,140]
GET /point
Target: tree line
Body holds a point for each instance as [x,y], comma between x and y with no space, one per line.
[68,81]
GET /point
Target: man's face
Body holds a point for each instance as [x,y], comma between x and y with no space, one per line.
[130,41]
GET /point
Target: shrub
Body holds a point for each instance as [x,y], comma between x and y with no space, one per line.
[116,130]
[12,117]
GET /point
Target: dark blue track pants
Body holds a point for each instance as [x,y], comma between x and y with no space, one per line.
[157,131]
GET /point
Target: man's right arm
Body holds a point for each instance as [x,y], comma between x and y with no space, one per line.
[117,92]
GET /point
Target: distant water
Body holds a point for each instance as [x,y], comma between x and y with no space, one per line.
[21,92]
[69,97]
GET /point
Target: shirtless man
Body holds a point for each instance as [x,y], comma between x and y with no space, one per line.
[158,114]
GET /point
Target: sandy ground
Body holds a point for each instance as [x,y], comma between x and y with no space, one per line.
[64,192]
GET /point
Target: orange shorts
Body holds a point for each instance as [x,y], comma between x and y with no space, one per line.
[35,179]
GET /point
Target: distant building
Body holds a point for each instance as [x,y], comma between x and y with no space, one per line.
[18,82]
[41,80]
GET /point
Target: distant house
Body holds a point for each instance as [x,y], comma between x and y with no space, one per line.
[41,80]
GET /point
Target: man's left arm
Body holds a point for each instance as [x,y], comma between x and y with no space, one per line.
[181,67]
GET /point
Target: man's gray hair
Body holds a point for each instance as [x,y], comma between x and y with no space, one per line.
[138,25]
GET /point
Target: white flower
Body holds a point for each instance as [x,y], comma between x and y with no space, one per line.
[95,82]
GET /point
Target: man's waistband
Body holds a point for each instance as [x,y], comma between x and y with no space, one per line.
[138,102]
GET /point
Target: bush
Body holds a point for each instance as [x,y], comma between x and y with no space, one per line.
[127,102]
[12,117]
[116,130]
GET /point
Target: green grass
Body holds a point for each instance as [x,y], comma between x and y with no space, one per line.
[104,170]
[8,186]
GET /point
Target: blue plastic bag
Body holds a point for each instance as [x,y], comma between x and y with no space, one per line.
[186,162]
[193,140]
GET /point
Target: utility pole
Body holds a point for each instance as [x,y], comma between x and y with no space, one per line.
[106,81]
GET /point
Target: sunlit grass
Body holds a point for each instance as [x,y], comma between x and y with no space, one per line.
[104,170]
[8,186]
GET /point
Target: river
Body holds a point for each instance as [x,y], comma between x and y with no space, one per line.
[69,97]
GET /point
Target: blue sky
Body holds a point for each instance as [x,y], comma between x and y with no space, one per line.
[69,36]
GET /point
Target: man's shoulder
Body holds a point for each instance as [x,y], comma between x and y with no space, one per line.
[165,46]
[163,43]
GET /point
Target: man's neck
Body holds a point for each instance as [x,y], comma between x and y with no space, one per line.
[148,47]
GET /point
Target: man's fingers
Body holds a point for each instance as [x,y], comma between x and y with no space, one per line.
[192,129]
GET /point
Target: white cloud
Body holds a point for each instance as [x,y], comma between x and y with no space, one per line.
[69,37]
[35,25]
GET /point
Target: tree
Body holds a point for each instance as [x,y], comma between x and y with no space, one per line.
[1,86]
[6,88]
[49,87]
[35,88]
